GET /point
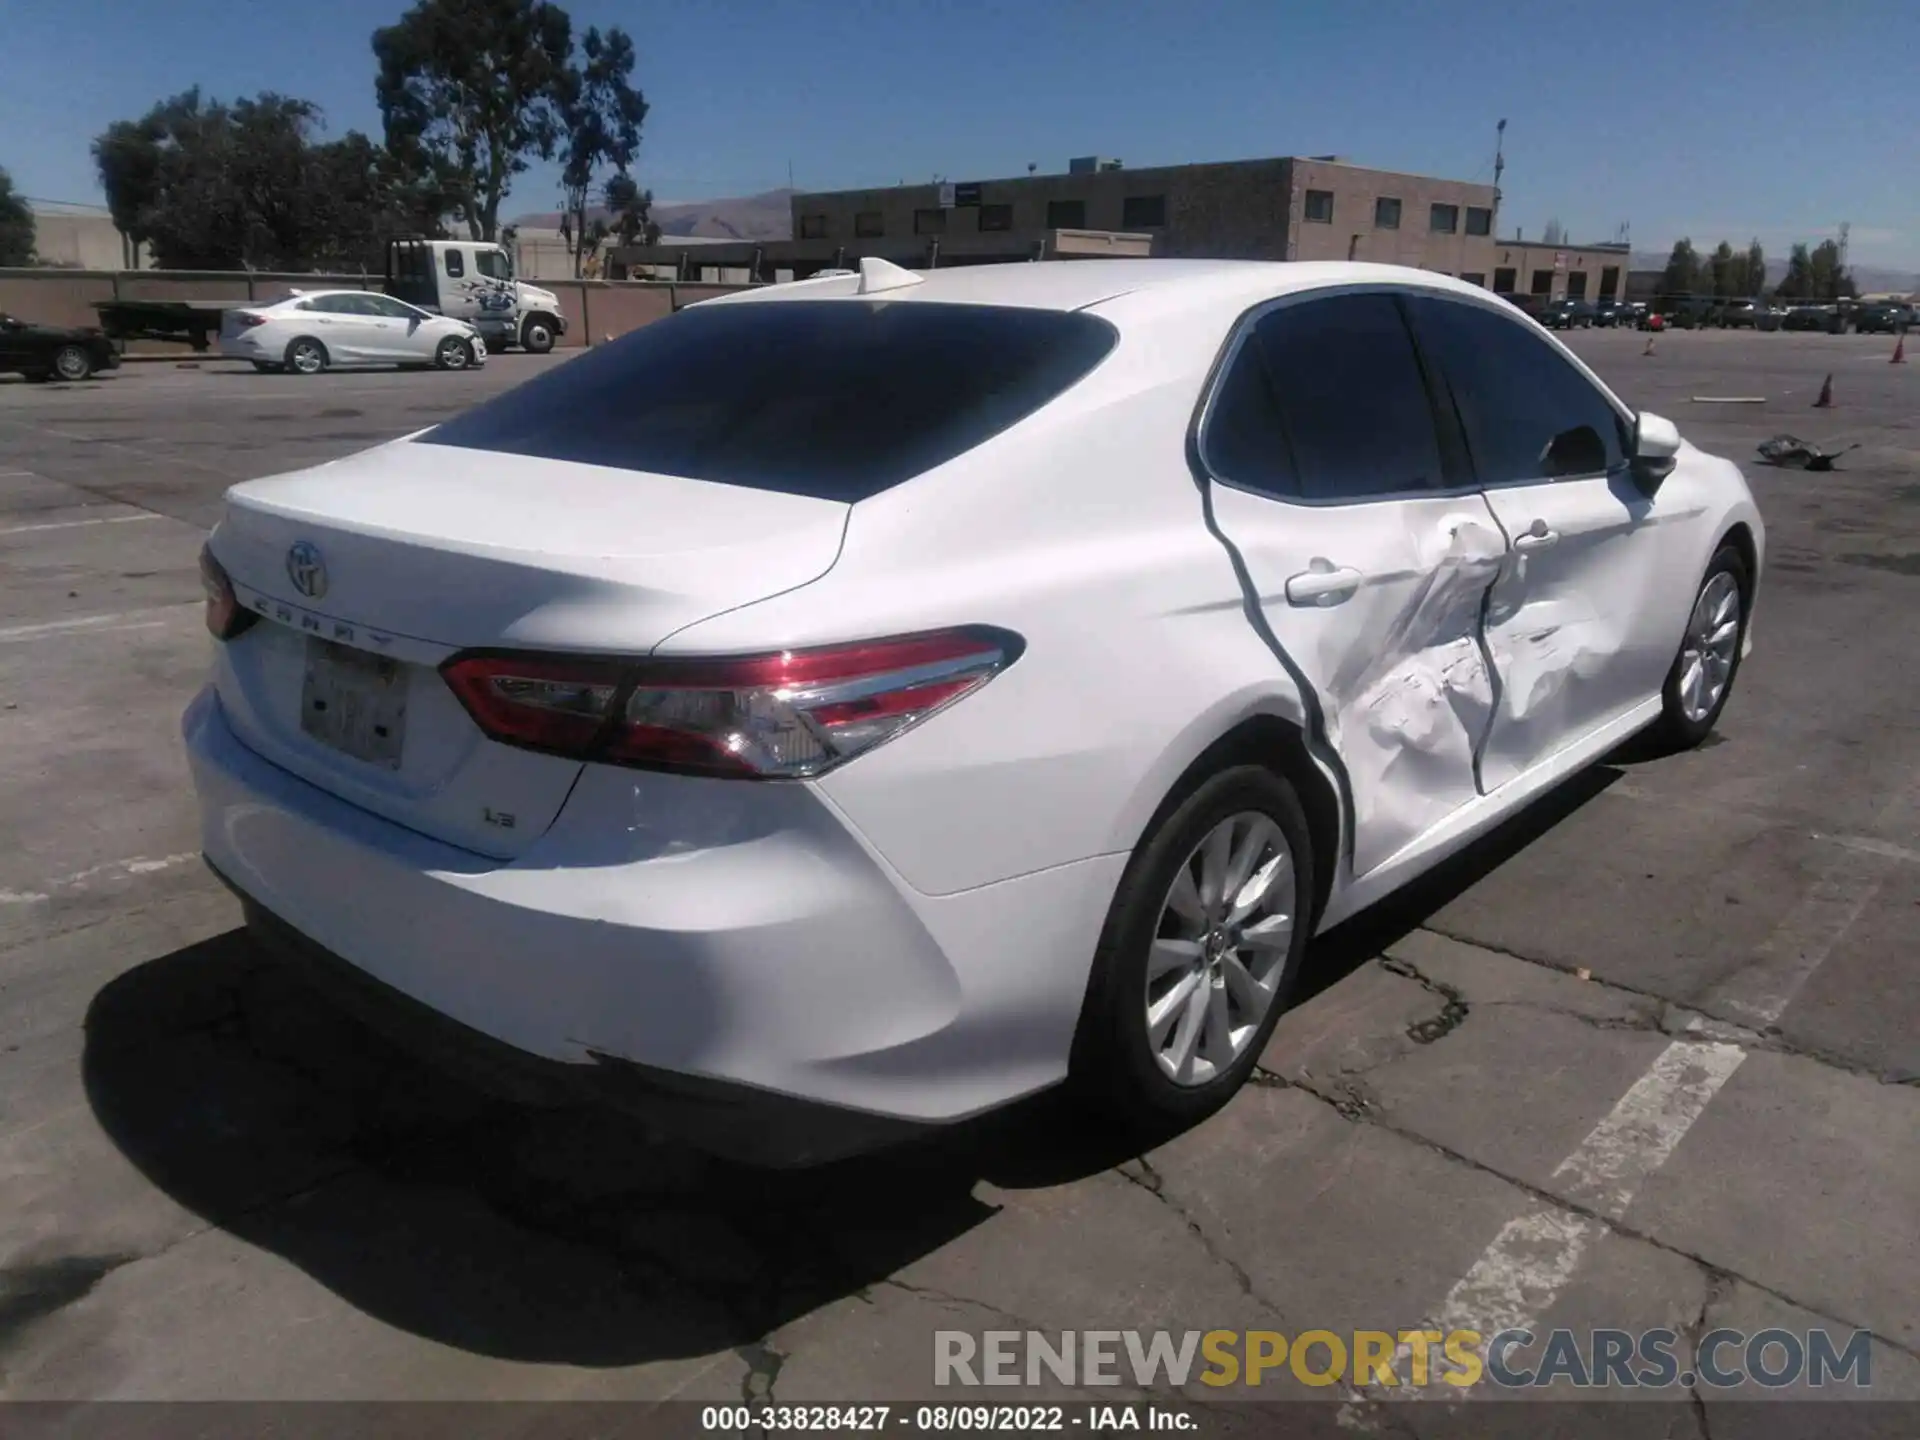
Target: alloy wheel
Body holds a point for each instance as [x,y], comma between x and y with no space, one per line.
[1220,950]
[453,354]
[1708,652]
[307,359]
[71,363]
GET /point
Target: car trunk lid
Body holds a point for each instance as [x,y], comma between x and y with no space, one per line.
[369,572]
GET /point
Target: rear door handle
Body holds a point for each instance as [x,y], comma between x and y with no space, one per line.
[1323,585]
[1538,537]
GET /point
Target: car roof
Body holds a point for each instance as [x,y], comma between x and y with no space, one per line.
[1147,285]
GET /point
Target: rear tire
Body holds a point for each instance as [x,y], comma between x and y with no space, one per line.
[306,356]
[1186,987]
[72,363]
[1701,680]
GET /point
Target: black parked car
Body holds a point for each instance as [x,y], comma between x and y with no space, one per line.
[1815,317]
[1567,315]
[1737,315]
[48,352]
[1610,312]
[1882,319]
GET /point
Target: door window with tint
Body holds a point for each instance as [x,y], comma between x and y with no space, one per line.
[391,309]
[490,263]
[1528,414]
[1347,415]
[456,264]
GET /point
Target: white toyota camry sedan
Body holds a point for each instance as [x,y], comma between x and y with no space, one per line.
[843,708]
[310,332]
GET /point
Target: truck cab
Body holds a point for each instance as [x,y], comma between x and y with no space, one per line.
[473,280]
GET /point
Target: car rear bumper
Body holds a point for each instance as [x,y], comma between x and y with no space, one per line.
[729,958]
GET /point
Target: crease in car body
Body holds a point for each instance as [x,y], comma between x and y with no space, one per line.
[1255,612]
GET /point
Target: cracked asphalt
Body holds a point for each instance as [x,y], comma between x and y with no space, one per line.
[1647,1057]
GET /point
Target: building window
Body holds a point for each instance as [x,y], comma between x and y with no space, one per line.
[1475,277]
[1479,220]
[1503,280]
[1577,285]
[869,223]
[1610,281]
[1542,282]
[1066,214]
[1444,219]
[1320,206]
[996,217]
[813,227]
[929,222]
[1386,213]
[1143,212]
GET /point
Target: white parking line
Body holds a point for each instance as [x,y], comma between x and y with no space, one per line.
[98,624]
[76,524]
[112,870]
[1519,1276]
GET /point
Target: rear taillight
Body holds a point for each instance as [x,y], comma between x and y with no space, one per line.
[225,617]
[784,716]
[247,321]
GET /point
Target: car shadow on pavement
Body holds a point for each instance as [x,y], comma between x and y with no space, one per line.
[564,1236]
[543,1235]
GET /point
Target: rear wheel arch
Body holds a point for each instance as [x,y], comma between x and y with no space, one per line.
[1279,744]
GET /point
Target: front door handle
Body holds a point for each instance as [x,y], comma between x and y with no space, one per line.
[1537,537]
[1324,584]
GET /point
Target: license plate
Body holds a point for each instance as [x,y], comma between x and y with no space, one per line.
[354,702]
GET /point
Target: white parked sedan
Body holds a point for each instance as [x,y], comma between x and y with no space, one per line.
[308,333]
[837,710]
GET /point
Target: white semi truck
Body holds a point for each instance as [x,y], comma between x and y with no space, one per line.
[472,280]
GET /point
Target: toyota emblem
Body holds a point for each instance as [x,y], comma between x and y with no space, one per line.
[307,570]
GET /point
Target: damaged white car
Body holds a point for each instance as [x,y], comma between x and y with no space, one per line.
[843,708]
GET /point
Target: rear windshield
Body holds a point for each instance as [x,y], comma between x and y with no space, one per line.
[836,399]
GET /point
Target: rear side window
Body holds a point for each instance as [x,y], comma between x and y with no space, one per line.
[1346,414]
[1527,413]
[836,399]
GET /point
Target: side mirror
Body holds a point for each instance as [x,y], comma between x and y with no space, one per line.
[1656,450]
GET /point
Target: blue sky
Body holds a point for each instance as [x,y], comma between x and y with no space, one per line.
[1715,118]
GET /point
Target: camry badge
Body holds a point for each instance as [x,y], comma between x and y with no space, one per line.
[306,569]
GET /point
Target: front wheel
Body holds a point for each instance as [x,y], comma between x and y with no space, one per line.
[1701,679]
[453,353]
[537,335]
[71,362]
[1199,953]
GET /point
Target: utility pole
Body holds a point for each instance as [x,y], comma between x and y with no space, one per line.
[1499,169]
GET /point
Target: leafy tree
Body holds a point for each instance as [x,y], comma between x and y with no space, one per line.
[1797,283]
[210,186]
[468,91]
[600,117]
[16,225]
[1720,269]
[632,211]
[1829,276]
[1682,275]
[1756,269]
[1554,234]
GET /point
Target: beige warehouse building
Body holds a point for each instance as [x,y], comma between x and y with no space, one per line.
[1285,208]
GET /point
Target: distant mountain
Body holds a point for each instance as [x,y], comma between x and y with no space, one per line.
[1872,279]
[746,217]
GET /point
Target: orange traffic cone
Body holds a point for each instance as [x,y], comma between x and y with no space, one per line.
[1649,349]
[1899,352]
[1825,402]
